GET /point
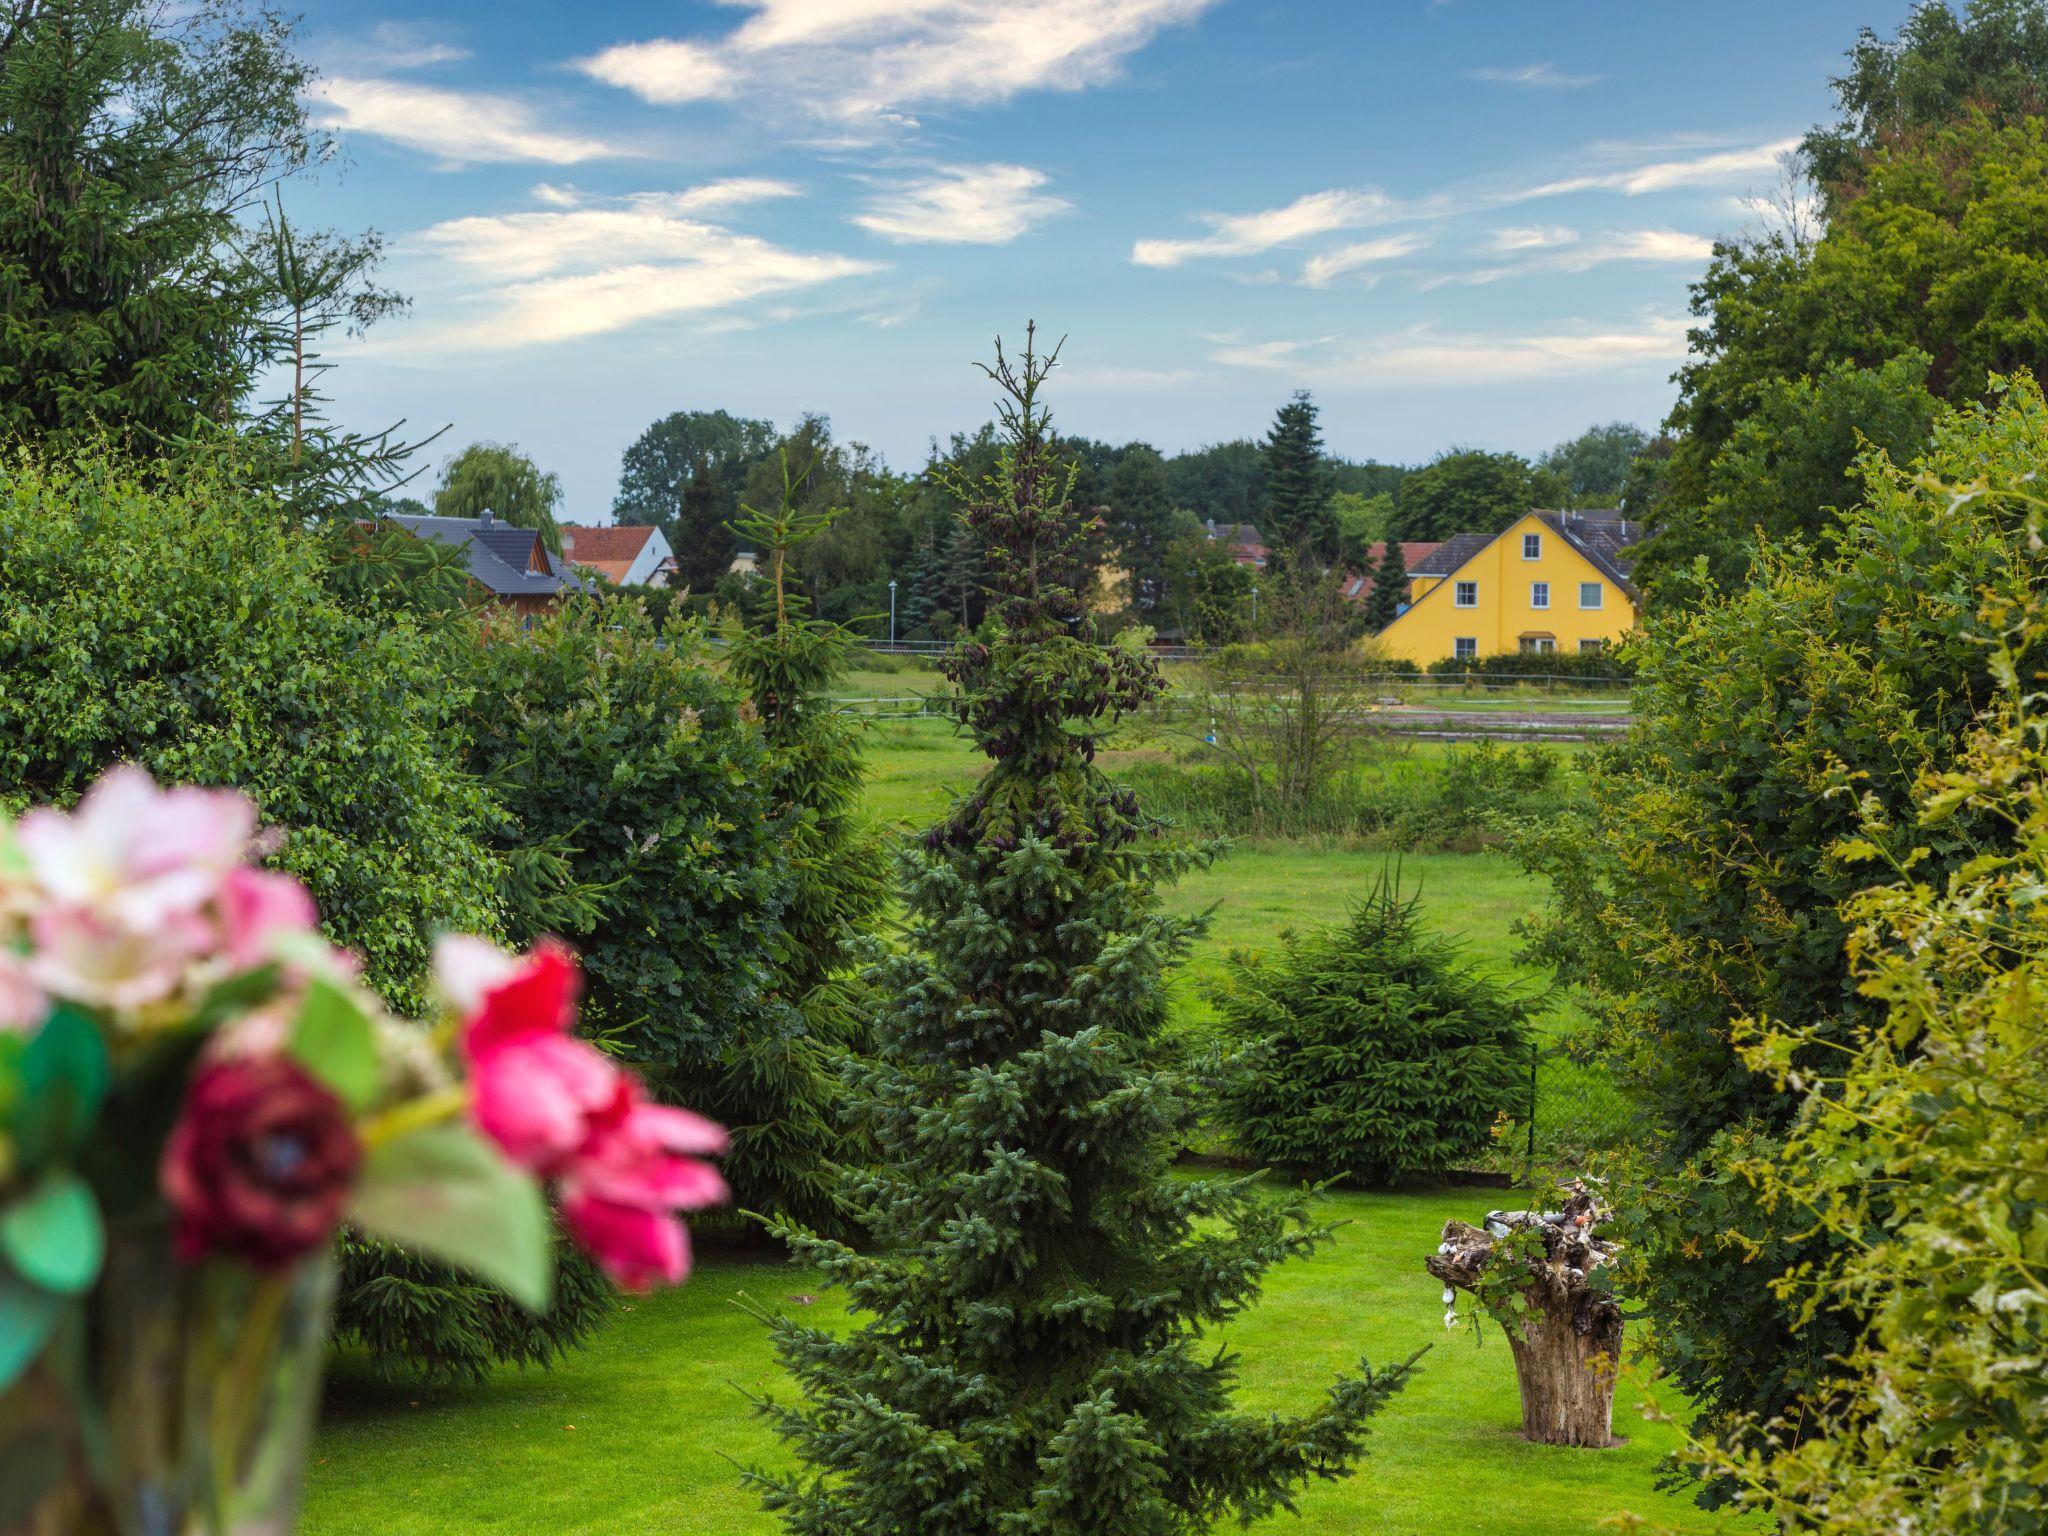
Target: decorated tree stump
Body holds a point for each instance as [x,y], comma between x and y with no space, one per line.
[1535,1273]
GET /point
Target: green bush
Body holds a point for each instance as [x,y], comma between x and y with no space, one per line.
[1369,1051]
[172,620]
[1616,663]
[414,1317]
[638,796]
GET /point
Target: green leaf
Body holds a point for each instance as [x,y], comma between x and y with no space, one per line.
[27,1314]
[52,1235]
[445,1191]
[332,1039]
[63,1075]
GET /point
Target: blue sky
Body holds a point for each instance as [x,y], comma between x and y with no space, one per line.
[1456,221]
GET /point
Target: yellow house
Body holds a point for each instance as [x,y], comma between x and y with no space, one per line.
[1554,581]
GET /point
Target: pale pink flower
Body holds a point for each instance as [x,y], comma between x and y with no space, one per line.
[469,969]
[22,1003]
[258,906]
[82,954]
[135,853]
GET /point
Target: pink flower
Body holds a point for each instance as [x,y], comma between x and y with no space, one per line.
[136,854]
[256,908]
[563,1110]
[638,1247]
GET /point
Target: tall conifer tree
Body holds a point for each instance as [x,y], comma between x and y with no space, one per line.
[1299,484]
[775,1086]
[1028,1358]
[1389,588]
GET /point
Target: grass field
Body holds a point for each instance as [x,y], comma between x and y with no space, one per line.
[641,1433]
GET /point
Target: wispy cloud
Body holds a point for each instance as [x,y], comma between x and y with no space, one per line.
[392,45]
[1339,208]
[1321,270]
[1648,246]
[1545,77]
[1531,237]
[1248,234]
[596,266]
[869,62]
[456,128]
[962,205]
[1729,165]
[1121,380]
[1423,357]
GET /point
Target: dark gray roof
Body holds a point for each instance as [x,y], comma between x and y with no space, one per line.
[1606,537]
[500,557]
[1451,554]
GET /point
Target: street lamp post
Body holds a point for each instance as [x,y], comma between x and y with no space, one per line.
[892,613]
[1255,607]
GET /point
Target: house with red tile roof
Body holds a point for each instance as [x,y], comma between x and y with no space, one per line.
[634,555]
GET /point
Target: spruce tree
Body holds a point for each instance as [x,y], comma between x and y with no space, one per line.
[1389,588]
[776,1087]
[1027,1357]
[1299,484]
[703,541]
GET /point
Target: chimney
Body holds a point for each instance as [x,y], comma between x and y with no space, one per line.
[487,520]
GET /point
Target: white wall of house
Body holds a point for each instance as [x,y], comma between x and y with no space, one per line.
[647,568]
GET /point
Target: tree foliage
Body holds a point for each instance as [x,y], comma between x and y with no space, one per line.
[1368,1050]
[660,464]
[1463,491]
[180,625]
[138,139]
[1299,483]
[1923,1150]
[637,795]
[498,478]
[1594,465]
[1026,1355]
[776,1088]
[1771,726]
[1992,57]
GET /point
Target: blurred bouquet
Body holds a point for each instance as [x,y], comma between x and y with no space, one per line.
[195,1093]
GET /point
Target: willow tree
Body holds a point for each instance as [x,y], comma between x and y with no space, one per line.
[1027,1356]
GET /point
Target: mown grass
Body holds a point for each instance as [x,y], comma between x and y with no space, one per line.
[641,1433]
[644,1432]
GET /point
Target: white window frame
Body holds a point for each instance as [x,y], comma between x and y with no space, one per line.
[1599,591]
[1458,591]
[1465,648]
[1592,645]
[1532,546]
[1538,645]
[1539,594]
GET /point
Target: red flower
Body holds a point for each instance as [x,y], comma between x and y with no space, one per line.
[259,1163]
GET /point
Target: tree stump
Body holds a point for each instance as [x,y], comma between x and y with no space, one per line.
[1562,1324]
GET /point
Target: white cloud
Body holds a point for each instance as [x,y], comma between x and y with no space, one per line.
[1320,270]
[592,267]
[963,205]
[1652,246]
[1533,76]
[867,61]
[392,45]
[1117,380]
[1423,357]
[456,127]
[1248,234]
[1664,175]
[1531,237]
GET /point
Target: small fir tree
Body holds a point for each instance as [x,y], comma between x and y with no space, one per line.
[1370,1051]
[1300,488]
[704,543]
[777,1086]
[1029,1361]
[1389,588]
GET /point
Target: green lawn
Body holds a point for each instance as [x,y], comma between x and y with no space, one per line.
[640,1432]
[633,1435]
